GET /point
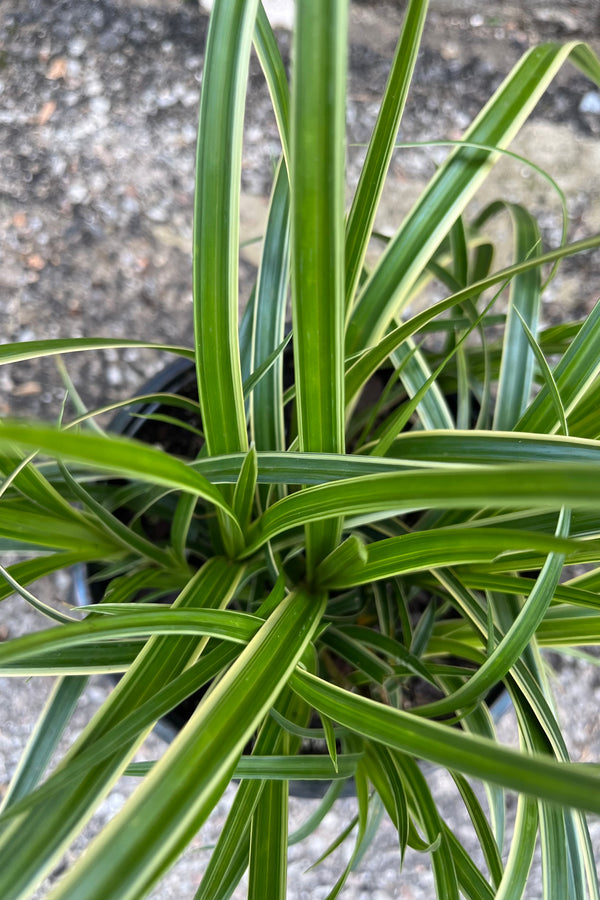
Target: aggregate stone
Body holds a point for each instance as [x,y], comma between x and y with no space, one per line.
[590,103]
[96,200]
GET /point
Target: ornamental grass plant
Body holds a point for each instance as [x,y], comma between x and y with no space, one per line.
[367,534]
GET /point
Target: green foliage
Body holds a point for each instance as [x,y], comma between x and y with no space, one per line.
[389,521]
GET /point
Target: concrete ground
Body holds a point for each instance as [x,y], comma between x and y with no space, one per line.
[98,105]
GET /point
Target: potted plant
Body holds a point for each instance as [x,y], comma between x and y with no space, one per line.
[399,515]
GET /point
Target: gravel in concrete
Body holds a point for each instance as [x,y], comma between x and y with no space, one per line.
[98,111]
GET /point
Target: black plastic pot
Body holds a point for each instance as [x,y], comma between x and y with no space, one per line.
[179,378]
[176,378]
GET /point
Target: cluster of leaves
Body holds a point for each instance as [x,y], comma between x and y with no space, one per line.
[329,552]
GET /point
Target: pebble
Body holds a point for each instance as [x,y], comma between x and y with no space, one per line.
[63,582]
[188,132]
[113,375]
[77,192]
[130,205]
[97,17]
[166,99]
[77,46]
[100,105]
[158,214]
[26,334]
[6,382]
[98,181]
[108,41]
[73,69]
[93,88]
[70,98]
[58,166]
[561,17]
[590,103]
